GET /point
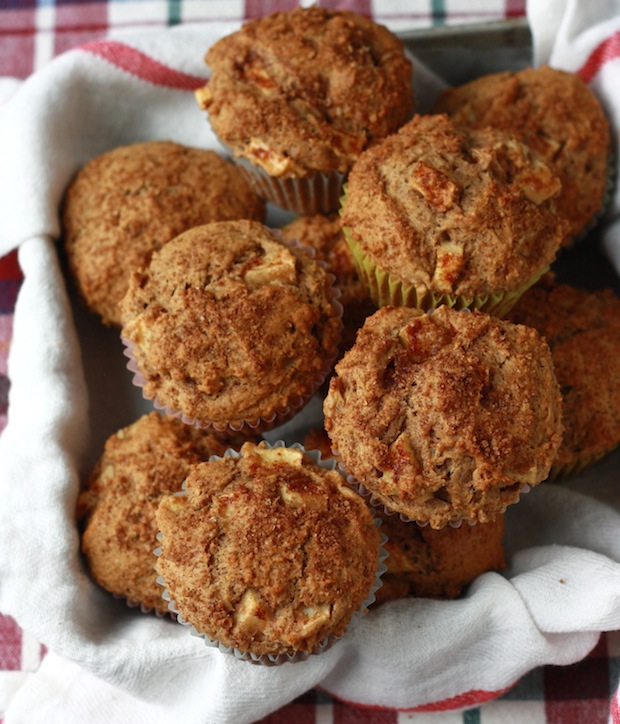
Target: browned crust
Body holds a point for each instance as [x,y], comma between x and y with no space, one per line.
[308,88]
[267,556]
[558,116]
[454,211]
[443,417]
[131,200]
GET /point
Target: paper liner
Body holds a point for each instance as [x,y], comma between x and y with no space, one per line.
[250,427]
[378,503]
[574,467]
[318,193]
[279,659]
[280,415]
[133,603]
[386,290]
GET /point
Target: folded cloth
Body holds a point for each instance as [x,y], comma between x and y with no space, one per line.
[70,390]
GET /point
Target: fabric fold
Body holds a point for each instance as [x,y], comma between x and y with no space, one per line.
[69,391]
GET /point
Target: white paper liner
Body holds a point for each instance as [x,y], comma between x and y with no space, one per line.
[278,659]
[133,603]
[280,415]
[318,193]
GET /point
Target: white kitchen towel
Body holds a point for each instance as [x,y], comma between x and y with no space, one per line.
[69,390]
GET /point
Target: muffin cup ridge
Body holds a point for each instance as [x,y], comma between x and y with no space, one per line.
[385,289]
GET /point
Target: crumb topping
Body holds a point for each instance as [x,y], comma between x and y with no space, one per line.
[116,507]
[230,324]
[444,416]
[583,332]
[307,90]
[130,201]
[269,553]
[557,115]
[454,211]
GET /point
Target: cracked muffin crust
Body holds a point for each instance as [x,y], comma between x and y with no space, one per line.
[559,117]
[268,552]
[131,200]
[451,214]
[583,331]
[443,417]
[306,91]
[140,464]
[231,326]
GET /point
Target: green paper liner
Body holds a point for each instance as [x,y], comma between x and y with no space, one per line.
[387,290]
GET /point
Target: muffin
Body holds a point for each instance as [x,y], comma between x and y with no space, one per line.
[268,553]
[323,233]
[130,201]
[557,116]
[298,95]
[583,331]
[422,561]
[230,327]
[439,214]
[429,563]
[116,507]
[445,417]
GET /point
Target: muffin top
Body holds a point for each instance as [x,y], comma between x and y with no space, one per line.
[268,553]
[452,210]
[583,331]
[555,114]
[229,325]
[129,201]
[444,416]
[139,465]
[307,90]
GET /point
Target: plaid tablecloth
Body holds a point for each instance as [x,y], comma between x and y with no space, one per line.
[31,33]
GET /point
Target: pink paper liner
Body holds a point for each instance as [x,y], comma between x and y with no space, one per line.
[277,417]
[279,659]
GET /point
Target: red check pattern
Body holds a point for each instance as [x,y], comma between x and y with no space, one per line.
[31,33]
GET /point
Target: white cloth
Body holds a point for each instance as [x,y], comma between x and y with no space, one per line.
[70,390]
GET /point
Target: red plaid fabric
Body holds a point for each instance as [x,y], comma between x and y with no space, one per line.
[31,33]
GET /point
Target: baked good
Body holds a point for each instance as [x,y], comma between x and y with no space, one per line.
[116,507]
[423,561]
[557,115]
[269,553]
[444,417]
[299,94]
[429,563]
[440,214]
[229,326]
[323,233]
[131,200]
[583,331]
